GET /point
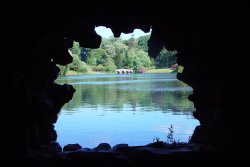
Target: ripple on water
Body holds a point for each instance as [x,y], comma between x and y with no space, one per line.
[156,89]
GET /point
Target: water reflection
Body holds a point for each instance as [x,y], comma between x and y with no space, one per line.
[117,107]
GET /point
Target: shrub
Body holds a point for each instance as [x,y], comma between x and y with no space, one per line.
[98,68]
[78,65]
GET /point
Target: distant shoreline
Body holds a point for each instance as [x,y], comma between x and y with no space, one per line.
[151,71]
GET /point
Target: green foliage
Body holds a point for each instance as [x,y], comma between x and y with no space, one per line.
[144,58]
[76,49]
[78,65]
[109,50]
[136,58]
[91,60]
[84,68]
[130,58]
[137,64]
[110,66]
[143,43]
[63,69]
[166,59]
[152,62]
[99,68]
[180,69]
[96,57]
[120,53]
[105,42]
[132,42]
[116,53]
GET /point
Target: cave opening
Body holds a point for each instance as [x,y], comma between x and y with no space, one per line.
[135,108]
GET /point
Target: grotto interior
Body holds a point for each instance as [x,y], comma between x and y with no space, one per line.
[35,37]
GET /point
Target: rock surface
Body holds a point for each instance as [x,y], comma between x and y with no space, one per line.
[72,147]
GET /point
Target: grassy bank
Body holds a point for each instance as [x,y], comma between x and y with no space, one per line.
[165,70]
[81,73]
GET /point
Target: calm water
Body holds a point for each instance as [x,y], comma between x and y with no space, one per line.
[127,108]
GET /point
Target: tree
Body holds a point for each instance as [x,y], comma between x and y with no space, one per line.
[96,57]
[130,58]
[100,56]
[136,58]
[143,43]
[63,69]
[120,53]
[152,62]
[109,50]
[84,54]
[91,60]
[110,66]
[132,42]
[144,58]
[166,58]
[115,53]
[137,64]
[78,65]
[76,49]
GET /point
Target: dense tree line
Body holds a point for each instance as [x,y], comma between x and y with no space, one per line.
[115,53]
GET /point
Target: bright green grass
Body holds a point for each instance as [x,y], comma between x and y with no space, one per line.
[165,70]
[81,73]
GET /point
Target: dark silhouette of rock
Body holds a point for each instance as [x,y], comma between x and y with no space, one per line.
[53,148]
[72,147]
[121,148]
[156,144]
[102,147]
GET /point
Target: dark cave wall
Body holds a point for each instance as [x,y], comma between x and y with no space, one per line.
[37,38]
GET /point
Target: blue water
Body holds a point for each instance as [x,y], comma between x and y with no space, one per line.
[127,108]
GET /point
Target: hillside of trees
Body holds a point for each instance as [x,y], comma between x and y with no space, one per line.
[115,53]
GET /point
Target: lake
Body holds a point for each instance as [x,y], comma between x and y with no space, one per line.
[126,108]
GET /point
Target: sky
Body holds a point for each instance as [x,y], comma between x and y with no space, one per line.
[106,33]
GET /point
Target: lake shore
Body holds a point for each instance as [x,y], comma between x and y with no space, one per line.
[150,71]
